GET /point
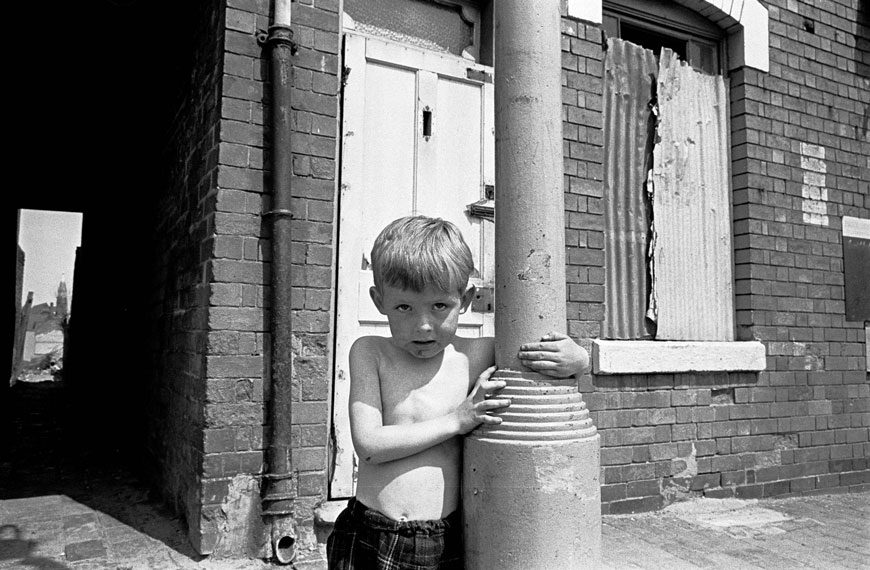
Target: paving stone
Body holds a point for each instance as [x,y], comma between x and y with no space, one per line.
[94,565]
[130,549]
[108,521]
[79,520]
[85,550]
[83,533]
[122,533]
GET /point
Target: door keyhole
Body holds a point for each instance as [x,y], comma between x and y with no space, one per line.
[427,123]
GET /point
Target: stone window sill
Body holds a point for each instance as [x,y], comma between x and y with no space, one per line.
[668,357]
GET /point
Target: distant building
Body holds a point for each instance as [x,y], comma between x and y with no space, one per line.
[62,300]
[44,327]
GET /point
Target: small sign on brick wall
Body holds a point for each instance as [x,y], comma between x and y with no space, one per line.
[856,267]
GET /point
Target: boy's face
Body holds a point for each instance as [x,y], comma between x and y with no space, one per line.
[421,323]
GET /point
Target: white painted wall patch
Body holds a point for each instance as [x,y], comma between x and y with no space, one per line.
[814,191]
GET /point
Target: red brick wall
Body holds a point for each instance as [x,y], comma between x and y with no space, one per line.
[212,311]
[801,425]
[237,339]
[179,303]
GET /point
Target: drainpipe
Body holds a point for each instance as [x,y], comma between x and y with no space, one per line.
[279,480]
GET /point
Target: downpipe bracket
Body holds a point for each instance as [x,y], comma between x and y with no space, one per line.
[277,35]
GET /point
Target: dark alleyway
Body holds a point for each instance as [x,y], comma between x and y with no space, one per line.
[50,458]
[50,445]
[73,499]
[41,450]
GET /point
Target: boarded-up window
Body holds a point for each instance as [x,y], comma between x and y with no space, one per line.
[668,248]
[629,133]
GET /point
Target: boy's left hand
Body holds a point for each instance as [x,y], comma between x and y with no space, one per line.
[555,355]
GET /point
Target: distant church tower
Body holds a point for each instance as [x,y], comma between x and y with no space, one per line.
[62,299]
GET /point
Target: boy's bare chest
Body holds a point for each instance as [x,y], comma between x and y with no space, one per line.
[414,394]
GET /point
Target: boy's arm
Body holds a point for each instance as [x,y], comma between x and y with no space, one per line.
[555,355]
[376,443]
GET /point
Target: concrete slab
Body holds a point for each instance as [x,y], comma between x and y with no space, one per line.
[810,532]
[728,513]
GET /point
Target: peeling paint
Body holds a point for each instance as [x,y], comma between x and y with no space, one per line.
[240,530]
[537,267]
[677,490]
[813,362]
[343,462]
[768,459]
[652,312]
[524,99]
[554,479]
[691,462]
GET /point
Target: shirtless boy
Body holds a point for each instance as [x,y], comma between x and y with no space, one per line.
[412,395]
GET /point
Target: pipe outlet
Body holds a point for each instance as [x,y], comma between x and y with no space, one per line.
[284,539]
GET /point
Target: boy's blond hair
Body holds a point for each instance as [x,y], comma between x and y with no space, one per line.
[417,251]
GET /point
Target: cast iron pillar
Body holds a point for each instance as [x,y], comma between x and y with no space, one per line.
[531,496]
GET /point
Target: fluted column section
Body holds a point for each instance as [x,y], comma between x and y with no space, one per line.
[531,497]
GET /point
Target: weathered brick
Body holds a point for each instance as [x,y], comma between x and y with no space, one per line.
[238,319]
[309,459]
[236,414]
[218,440]
[312,484]
[310,412]
[242,133]
[751,443]
[234,366]
[690,397]
[234,271]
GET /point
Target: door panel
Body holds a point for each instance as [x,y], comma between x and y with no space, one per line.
[415,136]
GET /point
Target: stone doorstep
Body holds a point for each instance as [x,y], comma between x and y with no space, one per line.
[324,518]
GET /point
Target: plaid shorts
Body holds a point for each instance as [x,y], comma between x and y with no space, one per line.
[365,539]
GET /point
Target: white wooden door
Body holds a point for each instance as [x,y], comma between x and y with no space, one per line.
[417,138]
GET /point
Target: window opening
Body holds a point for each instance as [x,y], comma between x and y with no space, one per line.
[642,277]
[652,40]
[695,40]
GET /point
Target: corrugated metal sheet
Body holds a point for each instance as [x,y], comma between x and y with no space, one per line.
[630,75]
[691,251]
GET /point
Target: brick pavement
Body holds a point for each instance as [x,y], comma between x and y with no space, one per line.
[818,531]
[121,528]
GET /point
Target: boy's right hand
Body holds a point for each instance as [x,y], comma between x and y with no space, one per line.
[474,410]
